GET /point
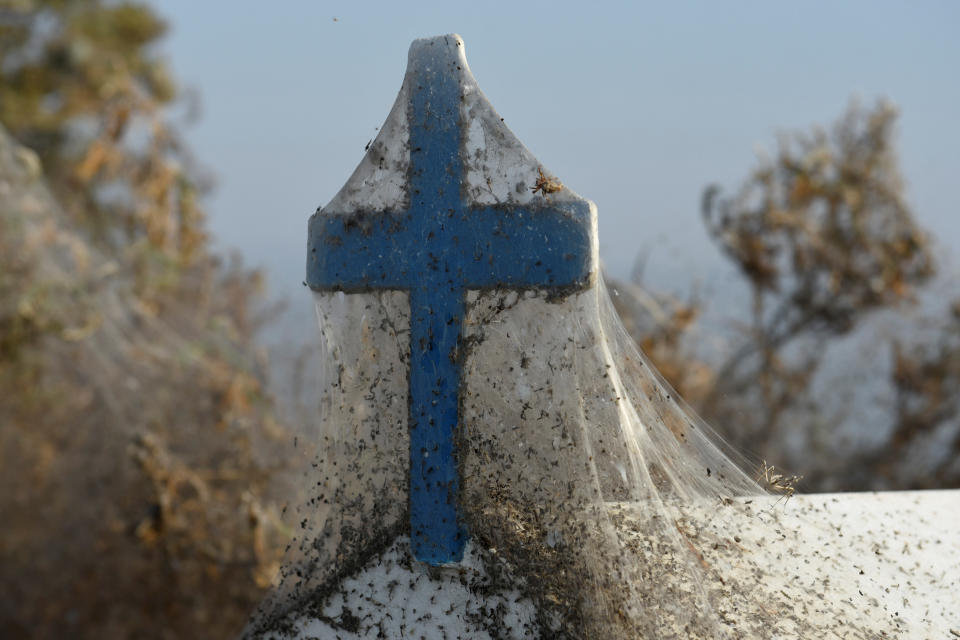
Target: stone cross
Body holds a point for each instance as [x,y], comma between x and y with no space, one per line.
[450,208]
[438,244]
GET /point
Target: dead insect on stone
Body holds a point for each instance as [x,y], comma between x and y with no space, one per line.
[546,185]
[777,482]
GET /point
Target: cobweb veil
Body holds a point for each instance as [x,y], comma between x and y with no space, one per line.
[586,483]
[586,480]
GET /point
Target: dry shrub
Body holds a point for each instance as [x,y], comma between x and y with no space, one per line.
[824,240]
[140,456]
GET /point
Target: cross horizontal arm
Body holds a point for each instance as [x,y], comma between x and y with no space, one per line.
[359,252]
[515,247]
[525,247]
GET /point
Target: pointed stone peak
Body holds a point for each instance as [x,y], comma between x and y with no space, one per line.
[496,168]
[439,54]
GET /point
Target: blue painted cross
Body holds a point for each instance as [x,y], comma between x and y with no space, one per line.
[437,249]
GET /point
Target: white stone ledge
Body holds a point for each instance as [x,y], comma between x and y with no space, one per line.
[842,565]
[853,565]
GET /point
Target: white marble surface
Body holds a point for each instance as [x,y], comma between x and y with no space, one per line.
[394,596]
[844,565]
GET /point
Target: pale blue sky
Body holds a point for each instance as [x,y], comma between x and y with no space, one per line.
[635,106]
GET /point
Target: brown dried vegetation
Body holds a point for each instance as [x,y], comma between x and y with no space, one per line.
[138,449]
[824,239]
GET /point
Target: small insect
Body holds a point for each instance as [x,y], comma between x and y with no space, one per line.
[546,185]
[777,482]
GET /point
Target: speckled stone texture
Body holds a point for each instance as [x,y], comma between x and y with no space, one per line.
[858,565]
[844,565]
[394,596]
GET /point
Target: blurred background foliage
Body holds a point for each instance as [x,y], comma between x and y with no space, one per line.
[139,449]
[843,324]
[144,463]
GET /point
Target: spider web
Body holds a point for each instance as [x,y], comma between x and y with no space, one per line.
[587,484]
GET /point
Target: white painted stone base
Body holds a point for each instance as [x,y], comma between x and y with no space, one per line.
[868,565]
[394,596]
[842,565]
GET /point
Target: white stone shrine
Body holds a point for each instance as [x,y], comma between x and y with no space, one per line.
[499,461]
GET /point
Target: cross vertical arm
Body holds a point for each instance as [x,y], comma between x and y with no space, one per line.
[437,535]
